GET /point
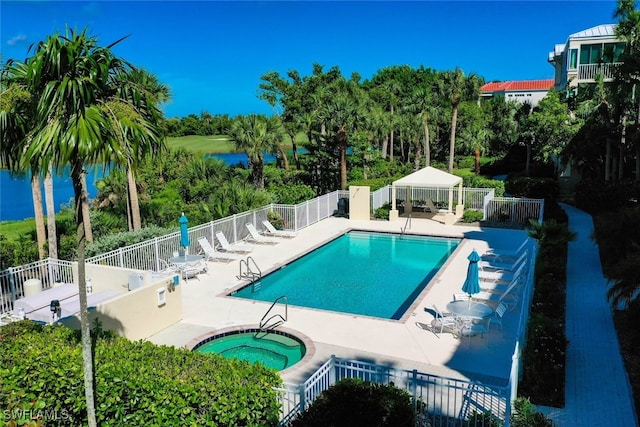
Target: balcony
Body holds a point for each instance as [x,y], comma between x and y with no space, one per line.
[588,72]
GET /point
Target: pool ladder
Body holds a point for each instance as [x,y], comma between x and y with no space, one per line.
[255,276]
[277,319]
[407,225]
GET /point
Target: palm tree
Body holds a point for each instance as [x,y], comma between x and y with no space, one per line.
[457,87]
[73,83]
[51,214]
[146,93]
[36,193]
[420,103]
[256,134]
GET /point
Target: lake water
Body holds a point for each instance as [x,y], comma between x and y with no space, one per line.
[16,202]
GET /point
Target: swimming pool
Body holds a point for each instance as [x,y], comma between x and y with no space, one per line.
[371,274]
[276,349]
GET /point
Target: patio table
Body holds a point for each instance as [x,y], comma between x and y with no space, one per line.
[470,309]
[183,262]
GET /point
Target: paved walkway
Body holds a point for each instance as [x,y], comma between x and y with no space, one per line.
[598,392]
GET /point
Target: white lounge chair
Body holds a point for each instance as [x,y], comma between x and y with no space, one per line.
[497,265]
[211,254]
[504,276]
[505,255]
[228,247]
[272,231]
[254,236]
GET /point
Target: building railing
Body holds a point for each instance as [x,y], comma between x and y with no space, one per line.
[437,400]
[590,71]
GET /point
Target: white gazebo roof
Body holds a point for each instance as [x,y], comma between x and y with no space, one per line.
[428,177]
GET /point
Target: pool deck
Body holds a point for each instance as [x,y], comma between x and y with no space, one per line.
[401,344]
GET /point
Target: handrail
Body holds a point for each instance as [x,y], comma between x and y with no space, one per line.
[406,224]
[264,323]
[250,274]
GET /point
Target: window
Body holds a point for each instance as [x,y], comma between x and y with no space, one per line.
[590,53]
[573,59]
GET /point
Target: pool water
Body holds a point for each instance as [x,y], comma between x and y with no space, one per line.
[273,350]
[372,274]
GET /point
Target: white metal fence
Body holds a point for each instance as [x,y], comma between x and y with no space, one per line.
[48,271]
[438,401]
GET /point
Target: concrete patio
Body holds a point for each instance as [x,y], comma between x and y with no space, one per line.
[402,344]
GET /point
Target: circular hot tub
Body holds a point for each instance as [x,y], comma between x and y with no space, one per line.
[277,349]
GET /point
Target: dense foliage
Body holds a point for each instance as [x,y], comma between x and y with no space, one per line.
[137,383]
[357,403]
[545,350]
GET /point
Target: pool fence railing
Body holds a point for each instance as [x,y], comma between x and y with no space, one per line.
[437,400]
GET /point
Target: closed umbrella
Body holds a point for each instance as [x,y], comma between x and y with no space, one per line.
[472,283]
[184,232]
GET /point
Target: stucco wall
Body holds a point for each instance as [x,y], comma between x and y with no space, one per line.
[359,203]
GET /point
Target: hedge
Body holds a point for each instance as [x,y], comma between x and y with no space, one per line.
[137,383]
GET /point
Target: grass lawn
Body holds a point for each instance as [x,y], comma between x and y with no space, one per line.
[202,144]
[12,230]
[217,143]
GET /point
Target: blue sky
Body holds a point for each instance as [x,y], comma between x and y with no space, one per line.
[212,53]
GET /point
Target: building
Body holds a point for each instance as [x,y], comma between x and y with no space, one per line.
[584,55]
[531,91]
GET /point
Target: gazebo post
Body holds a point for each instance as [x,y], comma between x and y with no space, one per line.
[460,206]
[393,213]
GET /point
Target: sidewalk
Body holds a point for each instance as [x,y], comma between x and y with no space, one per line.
[597,391]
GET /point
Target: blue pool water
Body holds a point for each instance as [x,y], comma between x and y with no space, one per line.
[371,274]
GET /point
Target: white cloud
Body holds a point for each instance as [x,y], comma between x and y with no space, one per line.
[16,39]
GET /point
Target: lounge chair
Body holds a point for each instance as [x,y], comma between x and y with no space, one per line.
[497,265]
[228,247]
[504,276]
[211,254]
[272,231]
[254,236]
[505,255]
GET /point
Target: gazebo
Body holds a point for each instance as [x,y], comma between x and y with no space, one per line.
[428,177]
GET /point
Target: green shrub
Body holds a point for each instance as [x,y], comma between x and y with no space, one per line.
[484,419]
[534,188]
[382,212]
[275,219]
[525,414]
[355,403]
[597,196]
[472,216]
[292,194]
[112,242]
[137,383]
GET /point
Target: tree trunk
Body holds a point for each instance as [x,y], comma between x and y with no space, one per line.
[623,142]
[285,160]
[427,146]
[385,146]
[452,137]
[477,161]
[391,138]
[85,208]
[51,215]
[417,157]
[342,143]
[638,164]
[41,234]
[134,202]
[79,189]
[294,149]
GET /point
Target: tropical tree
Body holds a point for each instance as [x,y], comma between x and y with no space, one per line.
[456,88]
[628,29]
[73,83]
[421,104]
[475,133]
[256,134]
[145,92]
[51,214]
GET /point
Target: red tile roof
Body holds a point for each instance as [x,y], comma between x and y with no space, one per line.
[517,85]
